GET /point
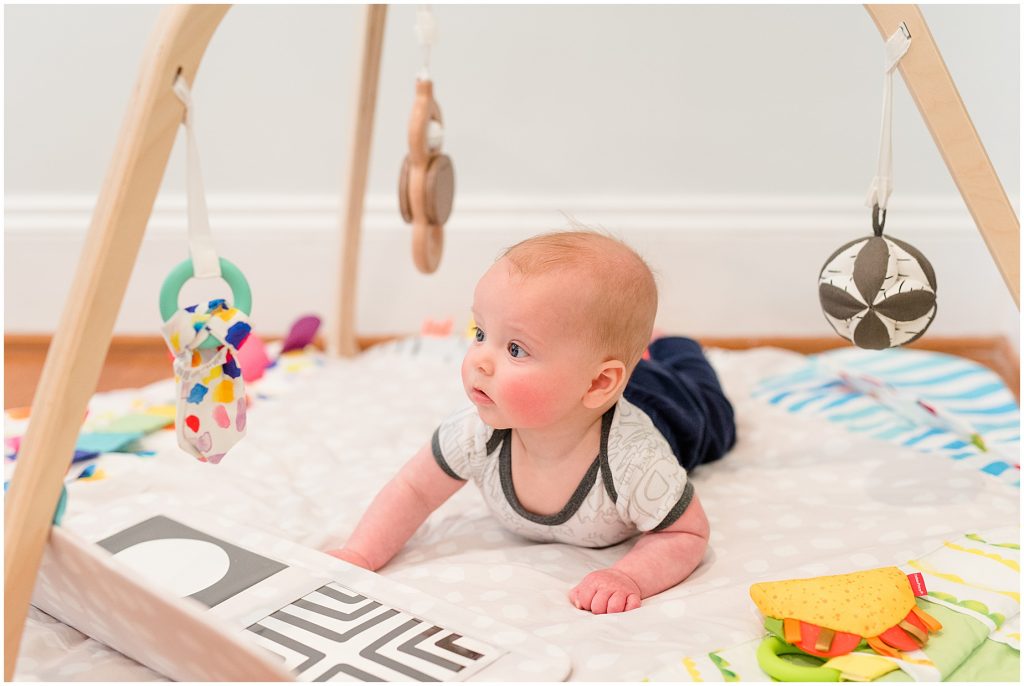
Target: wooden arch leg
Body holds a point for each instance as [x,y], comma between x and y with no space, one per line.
[80,344]
[342,340]
[943,110]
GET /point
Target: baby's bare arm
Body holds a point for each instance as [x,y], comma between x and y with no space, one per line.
[657,562]
[418,489]
[662,559]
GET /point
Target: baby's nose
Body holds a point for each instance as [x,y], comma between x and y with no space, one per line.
[482,362]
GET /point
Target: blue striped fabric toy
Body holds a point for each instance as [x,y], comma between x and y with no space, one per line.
[933,402]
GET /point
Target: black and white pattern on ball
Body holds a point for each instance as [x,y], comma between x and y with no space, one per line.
[878,292]
[334,634]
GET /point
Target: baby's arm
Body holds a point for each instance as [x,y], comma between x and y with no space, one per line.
[657,562]
[418,489]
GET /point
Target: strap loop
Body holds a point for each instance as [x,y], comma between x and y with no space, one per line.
[426,34]
[881,186]
[205,263]
[877,220]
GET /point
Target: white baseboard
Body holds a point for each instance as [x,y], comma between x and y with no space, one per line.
[232,214]
[726,265]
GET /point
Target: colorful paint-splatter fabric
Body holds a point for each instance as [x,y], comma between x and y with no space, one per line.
[211,392]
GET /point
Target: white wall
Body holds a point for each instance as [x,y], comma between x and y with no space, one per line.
[711,137]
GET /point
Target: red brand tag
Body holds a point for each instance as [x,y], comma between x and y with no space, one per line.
[917,584]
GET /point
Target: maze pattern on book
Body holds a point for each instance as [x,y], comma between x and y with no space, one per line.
[335,634]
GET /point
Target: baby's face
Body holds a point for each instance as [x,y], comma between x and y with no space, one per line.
[530,365]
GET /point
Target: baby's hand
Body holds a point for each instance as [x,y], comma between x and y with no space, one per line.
[351,556]
[606,590]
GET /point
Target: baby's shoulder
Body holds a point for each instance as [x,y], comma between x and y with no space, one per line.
[632,435]
[636,450]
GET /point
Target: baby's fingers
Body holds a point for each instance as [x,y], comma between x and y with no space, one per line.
[599,604]
[617,602]
[581,597]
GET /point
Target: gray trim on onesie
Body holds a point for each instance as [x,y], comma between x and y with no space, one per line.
[680,507]
[601,464]
[579,495]
[435,447]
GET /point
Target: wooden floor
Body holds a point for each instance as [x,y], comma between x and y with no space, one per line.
[136,361]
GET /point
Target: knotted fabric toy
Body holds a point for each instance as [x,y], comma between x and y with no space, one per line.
[211,391]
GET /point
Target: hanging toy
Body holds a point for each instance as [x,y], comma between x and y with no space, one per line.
[426,184]
[879,292]
[205,338]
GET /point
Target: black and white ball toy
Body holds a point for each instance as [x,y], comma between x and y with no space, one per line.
[878,292]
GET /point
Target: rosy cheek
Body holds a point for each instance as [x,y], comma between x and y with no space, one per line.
[531,402]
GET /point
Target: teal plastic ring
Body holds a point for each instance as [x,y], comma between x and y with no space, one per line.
[62,504]
[240,292]
[774,666]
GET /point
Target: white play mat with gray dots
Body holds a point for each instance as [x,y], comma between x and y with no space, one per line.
[798,496]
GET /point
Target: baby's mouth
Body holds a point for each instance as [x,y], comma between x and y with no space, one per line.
[479,397]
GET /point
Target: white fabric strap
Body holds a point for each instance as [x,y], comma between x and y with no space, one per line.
[426,34]
[881,186]
[205,263]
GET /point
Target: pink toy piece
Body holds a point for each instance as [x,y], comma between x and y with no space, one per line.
[220,415]
[302,333]
[435,328]
[252,358]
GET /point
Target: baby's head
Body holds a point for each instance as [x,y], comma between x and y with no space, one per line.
[562,320]
[605,284]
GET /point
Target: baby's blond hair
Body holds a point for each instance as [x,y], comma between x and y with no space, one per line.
[622,299]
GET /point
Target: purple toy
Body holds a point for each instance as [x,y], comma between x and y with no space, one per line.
[302,333]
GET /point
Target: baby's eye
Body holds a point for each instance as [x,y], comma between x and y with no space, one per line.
[516,351]
[478,333]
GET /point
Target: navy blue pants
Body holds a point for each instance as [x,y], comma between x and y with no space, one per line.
[679,391]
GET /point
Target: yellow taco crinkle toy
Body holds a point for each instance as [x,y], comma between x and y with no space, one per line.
[828,616]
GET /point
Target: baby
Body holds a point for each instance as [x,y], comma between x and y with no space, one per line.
[571,436]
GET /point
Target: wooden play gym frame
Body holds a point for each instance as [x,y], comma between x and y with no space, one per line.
[154,115]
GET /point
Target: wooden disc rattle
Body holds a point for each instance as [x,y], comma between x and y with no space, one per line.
[426,185]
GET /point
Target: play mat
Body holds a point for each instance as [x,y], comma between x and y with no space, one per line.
[824,479]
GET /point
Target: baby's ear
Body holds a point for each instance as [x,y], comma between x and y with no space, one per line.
[606,384]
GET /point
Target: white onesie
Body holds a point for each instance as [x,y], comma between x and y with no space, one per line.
[635,483]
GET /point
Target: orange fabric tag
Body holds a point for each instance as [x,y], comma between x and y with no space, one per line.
[882,648]
[791,630]
[929,621]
